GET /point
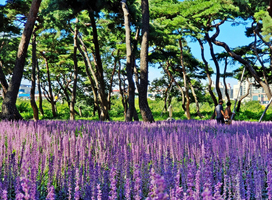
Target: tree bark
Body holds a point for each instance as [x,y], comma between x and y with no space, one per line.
[111,80]
[167,95]
[33,79]
[224,79]
[143,104]
[65,88]
[185,81]
[73,99]
[180,88]
[3,80]
[50,96]
[207,73]
[88,67]
[122,91]
[217,80]
[39,90]
[196,100]
[9,110]
[129,67]
[104,115]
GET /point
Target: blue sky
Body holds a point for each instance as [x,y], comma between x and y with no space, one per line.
[233,35]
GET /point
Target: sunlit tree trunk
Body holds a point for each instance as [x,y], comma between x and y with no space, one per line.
[33,79]
[9,110]
[73,99]
[143,104]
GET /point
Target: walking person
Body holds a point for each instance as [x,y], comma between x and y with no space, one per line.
[219,113]
[228,114]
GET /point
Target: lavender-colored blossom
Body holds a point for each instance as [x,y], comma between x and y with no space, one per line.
[127,189]
[51,193]
[113,192]
[217,195]
[99,192]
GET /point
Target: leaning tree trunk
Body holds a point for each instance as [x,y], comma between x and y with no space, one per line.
[143,104]
[185,81]
[51,98]
[129,67]
[208,76]
[39,90]
[179,87]
[111,80]
[73,99]
[166,97]
[104,115]
[3,80]
[9,110]
[241,60]
[88,67]
[33,79]
[224,79]
[196,100]
[216,66]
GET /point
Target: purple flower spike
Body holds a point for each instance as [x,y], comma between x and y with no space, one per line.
[113,192]
[217,195]
[127,189]
[99,192]
[5,195]
[51,193]
[206,194]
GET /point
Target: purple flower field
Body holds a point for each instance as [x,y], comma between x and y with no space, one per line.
[118,160]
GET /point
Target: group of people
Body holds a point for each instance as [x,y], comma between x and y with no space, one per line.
[223,117]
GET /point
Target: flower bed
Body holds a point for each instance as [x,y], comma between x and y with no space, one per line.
[118,160]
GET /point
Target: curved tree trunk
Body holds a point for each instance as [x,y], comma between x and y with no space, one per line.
[167,96]
[3,80]
[129,67]
[9,110]
[224,79]
[208,76]
[180,88]
[216,66]
[104,115]
[50,96]
[33,80]
[196,100]
[111,80]
[88,67]
[39,90]
[185,81]
[73,99]
[241,60]
[143,104]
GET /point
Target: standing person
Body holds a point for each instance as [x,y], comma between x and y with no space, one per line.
[228,114]
[219,113]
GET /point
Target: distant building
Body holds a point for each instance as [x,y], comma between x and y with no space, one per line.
[255,94]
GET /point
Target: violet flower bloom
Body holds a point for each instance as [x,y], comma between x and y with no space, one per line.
[19,196]
[99,192]
[5,195]
[113,192]
[51,193]
[127,189]
[25,188]
[137,183]
[206,194]
[217,195]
